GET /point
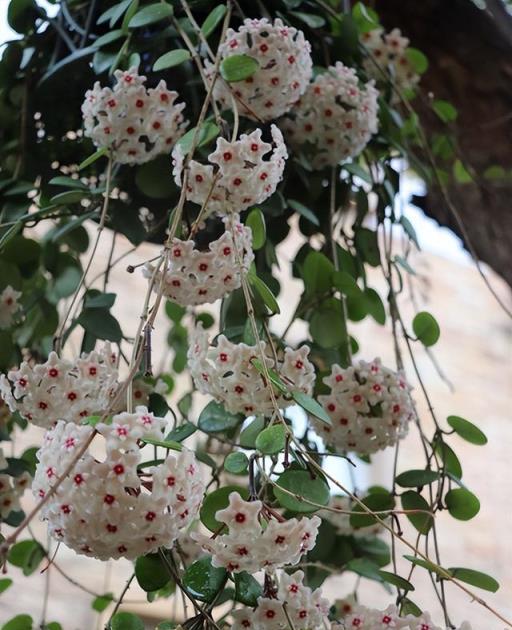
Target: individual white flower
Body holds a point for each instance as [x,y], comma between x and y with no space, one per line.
[136,123]
[389,51]
[60,389]
[226,372]
[335,118]
[250,546]
[306,609]
[286,67]
[195,276]
[237,175]
[9,307]
[110,509]
[369,405]
[341,521]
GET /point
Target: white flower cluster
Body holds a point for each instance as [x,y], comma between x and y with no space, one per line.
[226,372]
[286,67]
[108,509]
[9,307]
[306,609]
[237,176]
[250,546]
[199,277]
[136,123]
[337,115]
[11,488]
[390,52]
[370,407]
[364,618]
[60,389]
[341,520]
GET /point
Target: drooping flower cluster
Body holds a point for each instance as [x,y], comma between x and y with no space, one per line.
[136,123]
[249,545]
[286,67]
[60,389]
[109,509]
[196,277]
[11,488]
[9,307]
[341,519]
[364,618]
[369,405]
[237,175]
[226,372]
[389,51]
[306,609]
[337,115]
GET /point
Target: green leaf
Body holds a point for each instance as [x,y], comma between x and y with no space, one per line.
[327,327]
[265,293]
[215,419]
[311,406]
[346,284]
[247,589]
[365,18]
[213,20]
[475,578]
[356,169]
[450,460]
[101,324]
[366,568]
[425,564]
[151,572]
[238,68]
[99,300]
[26,555]
[317,273]
[126,621]
[426,328]
[75,56]
[171,59]
[409,230]
[414,501]
[396,580]
[4,584]
[204,581]
[445,110]
[410,608]
[108,38]
[215,501]
[417,59]
[92,158]
[207,132]
[236,463]
[152,179]
[20,622]
[102,602]
[21,15]
[69,197]
[462,504]
[305,487]
[168,444]
[416,478]
[151,14]
[375,306]
[181,432]
[367,245]
[250,433]
[313,21]
[304,211]
[461,174]
[114,13]
[376,502]
[256,221]
[271,440]
[467,430]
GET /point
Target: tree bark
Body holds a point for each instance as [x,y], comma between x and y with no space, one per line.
[470,64]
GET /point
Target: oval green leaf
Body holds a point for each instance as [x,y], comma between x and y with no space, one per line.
[462,504]
[416,478]
[426,328]
[204,581]
[271,440]
[256,221]
[151,14]
[171,59]
[475,578]
[238,68]
[467,430]
[414,501]
[236,463]
[305,488]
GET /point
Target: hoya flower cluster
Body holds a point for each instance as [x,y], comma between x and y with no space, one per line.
[286,67]
[306,609]
[107,509]
[239,173]
[196,277]
[389,51]
[369,405]
[11,488]
[226,372]
[364,618]
[337,116]
[250,545]
[9,307]
[341,519]
[60,389]
[136,123]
